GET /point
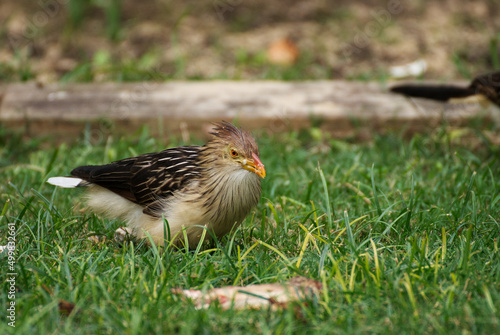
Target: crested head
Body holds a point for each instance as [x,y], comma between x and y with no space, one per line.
[226,133]
[235,147]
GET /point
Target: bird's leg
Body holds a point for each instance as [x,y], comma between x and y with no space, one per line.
[123,234]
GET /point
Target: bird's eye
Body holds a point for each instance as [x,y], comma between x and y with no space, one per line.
[234,153]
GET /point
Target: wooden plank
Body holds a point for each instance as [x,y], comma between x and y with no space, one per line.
[345,108]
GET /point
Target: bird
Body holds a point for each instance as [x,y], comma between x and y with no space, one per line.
[174,194]
[486,85]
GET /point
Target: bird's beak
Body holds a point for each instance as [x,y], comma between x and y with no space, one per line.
[255,166]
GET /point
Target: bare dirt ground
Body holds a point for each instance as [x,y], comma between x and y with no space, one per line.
[42,40]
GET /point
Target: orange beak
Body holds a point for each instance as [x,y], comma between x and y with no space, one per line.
[255,166]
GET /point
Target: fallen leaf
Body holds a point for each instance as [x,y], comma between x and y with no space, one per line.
[255,296]
[65,307]
[282,52]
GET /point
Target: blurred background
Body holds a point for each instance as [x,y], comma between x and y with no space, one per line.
[125,40]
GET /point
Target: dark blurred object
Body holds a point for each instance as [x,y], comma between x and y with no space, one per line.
[487,85]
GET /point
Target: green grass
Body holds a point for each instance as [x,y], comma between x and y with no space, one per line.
[403,234]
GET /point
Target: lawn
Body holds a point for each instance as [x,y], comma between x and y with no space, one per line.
[403,234]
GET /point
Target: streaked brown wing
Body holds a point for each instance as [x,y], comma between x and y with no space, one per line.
[488,85]
[146,179]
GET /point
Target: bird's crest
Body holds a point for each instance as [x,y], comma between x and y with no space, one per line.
[227,132]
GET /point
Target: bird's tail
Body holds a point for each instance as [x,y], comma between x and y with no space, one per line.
[434,92]
[67,182]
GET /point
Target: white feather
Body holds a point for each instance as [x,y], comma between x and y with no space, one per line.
[66,182]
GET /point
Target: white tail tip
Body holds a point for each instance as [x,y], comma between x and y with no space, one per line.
[66,182]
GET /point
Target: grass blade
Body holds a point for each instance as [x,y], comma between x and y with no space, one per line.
[327,199]
[375,196]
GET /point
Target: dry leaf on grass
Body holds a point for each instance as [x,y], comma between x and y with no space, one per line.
[255,296]
[65,307]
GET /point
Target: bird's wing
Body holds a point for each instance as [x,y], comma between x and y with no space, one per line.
[488,85]
[147,179]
